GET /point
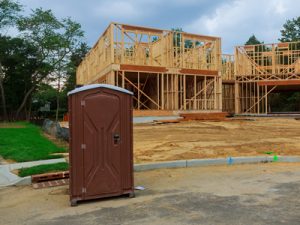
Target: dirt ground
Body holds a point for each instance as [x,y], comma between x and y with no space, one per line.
[236,194]
[202,139]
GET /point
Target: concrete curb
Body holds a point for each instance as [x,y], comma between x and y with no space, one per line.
[16,166]
[23,181]
[7,178]
[211,162]
[178,164]
[18,182]
[160,165]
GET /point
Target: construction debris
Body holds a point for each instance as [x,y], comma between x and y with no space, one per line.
[52,183]
[218,116]
[49,176]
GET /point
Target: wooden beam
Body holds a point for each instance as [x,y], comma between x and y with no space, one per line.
[139,88]
[141,68]
[195,92]
[278,82]
[162,92]
[228,82]
[157,88]
[184,92]
[123,79]
[205,94]
[199,72]
[196,36]
[142,29]
[266,99]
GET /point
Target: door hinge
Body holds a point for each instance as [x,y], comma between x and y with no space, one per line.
[83,146]
[82,103]
[83,190]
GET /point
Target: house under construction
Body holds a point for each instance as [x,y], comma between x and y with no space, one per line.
[264,69]
[168,71]
[173,71]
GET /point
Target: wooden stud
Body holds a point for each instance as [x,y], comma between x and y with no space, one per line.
[139,88]
[157,88]
[162,92]
[123,79]
[205,94]
[266,99]
[184,92]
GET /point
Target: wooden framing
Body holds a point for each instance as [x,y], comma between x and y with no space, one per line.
[261,70]
[227,71]
[166,70]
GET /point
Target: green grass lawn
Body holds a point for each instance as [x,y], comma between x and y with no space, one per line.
[56,167]
[23,141]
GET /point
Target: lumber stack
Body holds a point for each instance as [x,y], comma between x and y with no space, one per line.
[217,116]
[49,176]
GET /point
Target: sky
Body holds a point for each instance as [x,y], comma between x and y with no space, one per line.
[232,20]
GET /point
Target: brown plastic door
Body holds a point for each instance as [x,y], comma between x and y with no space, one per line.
[101,158]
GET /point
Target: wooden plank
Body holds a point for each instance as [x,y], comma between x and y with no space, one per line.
[123,79]
[283,45]
[201,37]
[139,87]
[278,82]
[143,29]
[266,99]
[199,72]
[49,176]
[184,92]
[157,89]
[162,92]
[205,94]
[195,91]
[228,82]
[156,69]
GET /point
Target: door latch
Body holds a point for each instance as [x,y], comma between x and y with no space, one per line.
[117,139]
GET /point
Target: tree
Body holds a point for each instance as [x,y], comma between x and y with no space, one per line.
[253,41]
[9,14]
[54,39]
[291,30]
[75,59]
[44,94]
[18,58]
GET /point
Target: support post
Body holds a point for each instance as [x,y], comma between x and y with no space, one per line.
[184,91]
[162,92]
[205,94]
[112,48]
[236,98]
[258,108]
[266,99]
[123,79]
[139,87]
[157,88]
[215,93]
[195,92]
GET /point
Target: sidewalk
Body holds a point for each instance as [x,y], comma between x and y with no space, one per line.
[7,178]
